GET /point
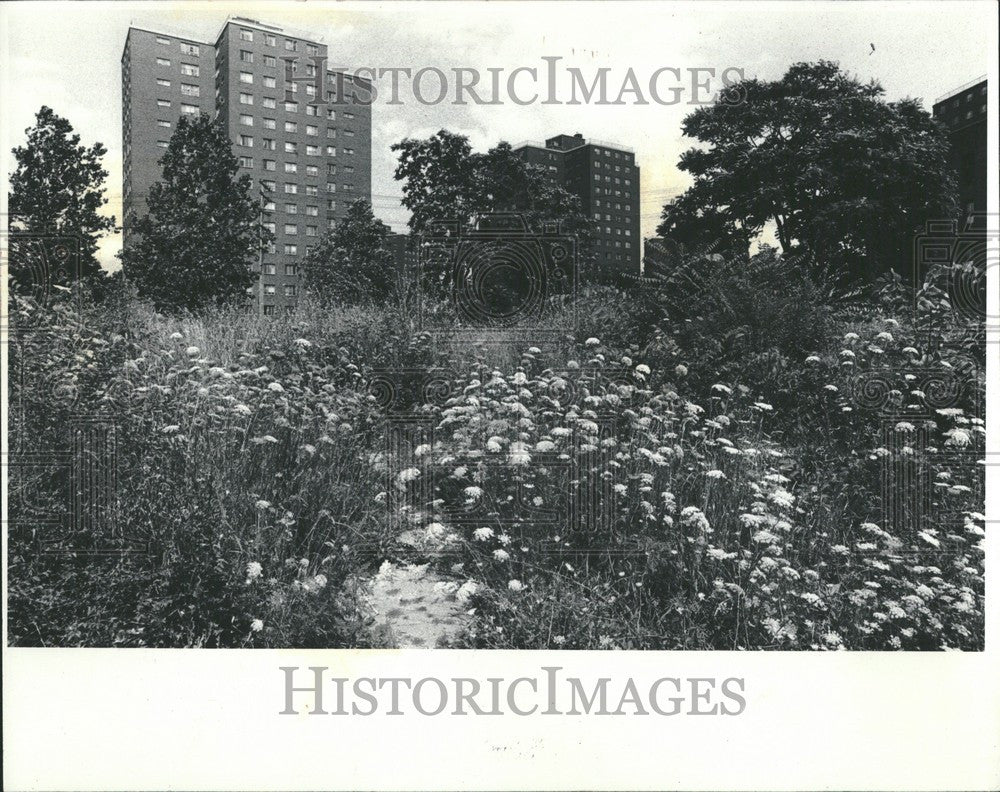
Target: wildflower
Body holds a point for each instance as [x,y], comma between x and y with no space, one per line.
[421,450]
[275,387]
[171,429]
[621,489]
[242,409]
[831,388]
[850,336]
[408,475]
[459,472]
[680,370]
[482,534]
[765,537]
[263,504]
[302,343]
[176,336]
[782,497]
[254,571]
[193,351]
[763,406]
[592,342]
[957,437]
[718,386]
[534,351]
[693,517]
[515,585]
[501,555]
[812,359]
[466,591]
[715,474]
[519,454]
[642,369]
[493,445]
[558,640]
[886,337]
[256,625]
[475,493]
[545,445]
[319,582]
[905,426]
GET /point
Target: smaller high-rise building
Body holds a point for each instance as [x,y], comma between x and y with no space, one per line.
[963,112]
[605,177]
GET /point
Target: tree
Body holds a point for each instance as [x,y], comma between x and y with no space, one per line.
[352,262]
[200,241]
[58,189]
[444,180]
[845,178]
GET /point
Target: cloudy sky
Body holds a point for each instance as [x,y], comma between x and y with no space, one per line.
[67,56]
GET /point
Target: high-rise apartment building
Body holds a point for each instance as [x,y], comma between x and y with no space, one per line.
[963,112]
[300,130]
[606,179]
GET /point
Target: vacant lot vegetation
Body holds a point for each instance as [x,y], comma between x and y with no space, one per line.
[678,473]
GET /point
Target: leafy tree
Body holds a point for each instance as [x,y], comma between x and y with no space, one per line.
[443,179]
[57,188]
[845,177]
[199,243]
[352,262]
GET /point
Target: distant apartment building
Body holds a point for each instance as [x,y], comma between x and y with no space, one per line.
[305,141]
[963,112]
[606,179]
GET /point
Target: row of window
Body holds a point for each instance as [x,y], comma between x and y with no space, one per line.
[291,188]
[271,40]
[618,180]
[187,69]
[626,220]
[290,289]
[186,49]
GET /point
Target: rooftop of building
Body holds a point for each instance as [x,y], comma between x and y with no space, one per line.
[570,143]
[980,80]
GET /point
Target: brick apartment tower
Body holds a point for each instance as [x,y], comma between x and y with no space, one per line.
[606,179]
[309,155]
[963,112]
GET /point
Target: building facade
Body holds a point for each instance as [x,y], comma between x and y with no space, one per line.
[963,112]
[606,178]
[302,132]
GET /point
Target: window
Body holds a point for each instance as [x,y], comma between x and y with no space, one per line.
[310,90]
[291,189]
[189,109]
[311,110]
[291,126]
[348,151]
[246,35]
[311,231]
[312,189]
[246,120]
[268,288]
[270,40]
[190,70]
[246,56]
[163,61]
[268,144]
[269,102]
[270,227]
[190,90]
[348,115]
[331,132]
[268,206]
[270,269]
[312,130]
[331,151]
[270,60]
[290,45]
[270,123]
[162,143]
[348,169]
[270,165]
[331,114]
[331,188]
[190,49]
[161,40]
[291,107]
[246,140]
[246,78]
[291,229]
[291,269]
[312,49]
[312,211]
[162,82]
[269,186]
[312,170]
[270,82]
[246,99]
[269,310]
[331,223]
[291,148]
[164,124]
[331,169]
[163,103]
[289,289]
[291,167]
[312,151]
[349,132]
[246,162]
[291,208]
[291,250]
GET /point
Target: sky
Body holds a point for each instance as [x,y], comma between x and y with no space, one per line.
[67,56]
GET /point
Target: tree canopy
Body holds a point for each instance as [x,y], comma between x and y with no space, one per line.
[58,189]
[845,178]
[199,242]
